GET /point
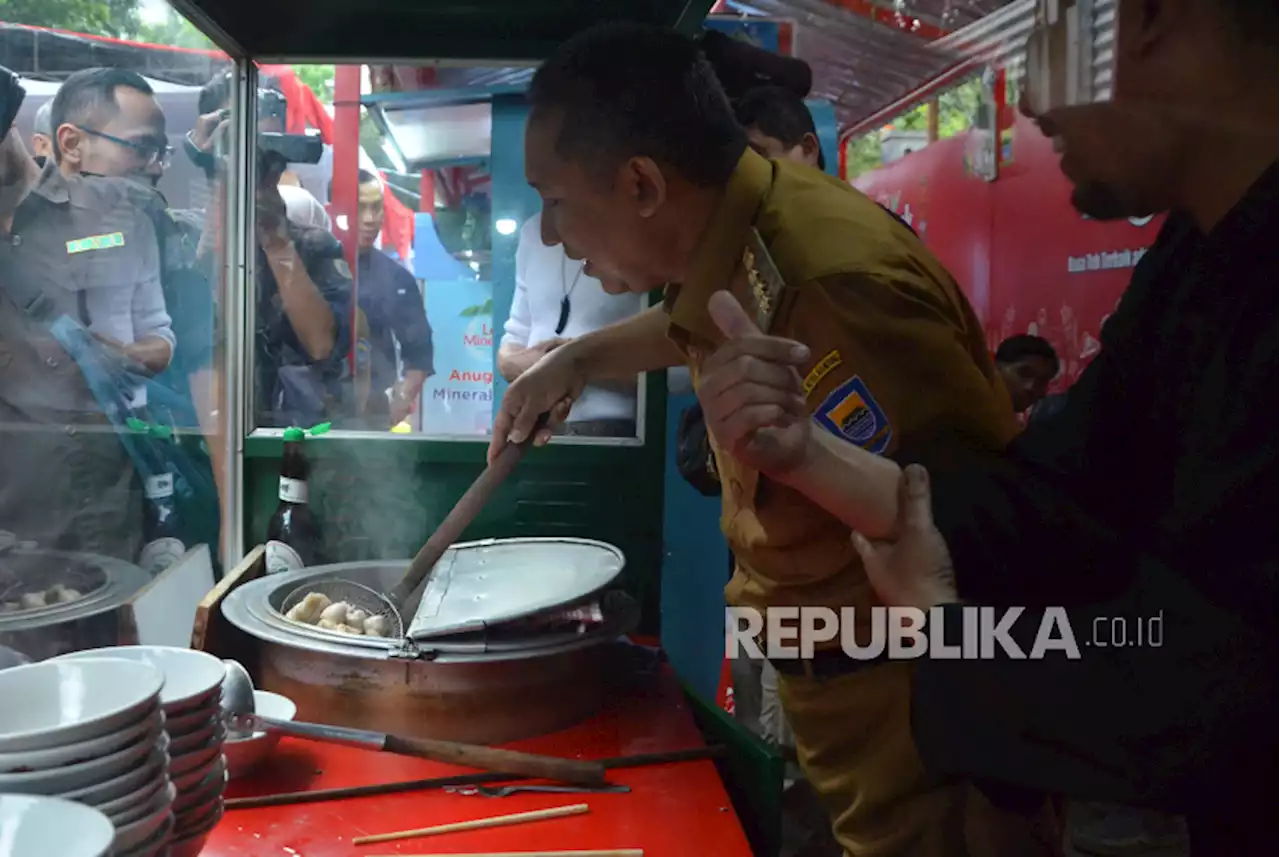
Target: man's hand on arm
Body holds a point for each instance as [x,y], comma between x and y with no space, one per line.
[514,360]
[639,344]
[754,405]
[915,569]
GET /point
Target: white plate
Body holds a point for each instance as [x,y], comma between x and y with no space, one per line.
[64,702]
[155,766]
[189,847]
[153,845]
[180,766]
[211,736]
[189,674]
[44,826]
[162,799]
[58,781]
[245,754]
[80,751]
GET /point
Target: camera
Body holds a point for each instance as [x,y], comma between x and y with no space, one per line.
[11,97]
[276,149]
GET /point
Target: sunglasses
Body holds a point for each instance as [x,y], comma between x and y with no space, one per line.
[151,151]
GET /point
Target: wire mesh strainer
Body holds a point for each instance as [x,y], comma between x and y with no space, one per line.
[355,595]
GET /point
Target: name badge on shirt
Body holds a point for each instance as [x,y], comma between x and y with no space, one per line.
[95,242]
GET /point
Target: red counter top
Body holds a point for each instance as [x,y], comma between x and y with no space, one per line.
[673,810]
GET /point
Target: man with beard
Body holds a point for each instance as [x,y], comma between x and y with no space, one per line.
[1153,495]
[645,173]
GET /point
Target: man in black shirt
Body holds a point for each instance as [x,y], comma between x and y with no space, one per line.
[1152,494]
[388,294]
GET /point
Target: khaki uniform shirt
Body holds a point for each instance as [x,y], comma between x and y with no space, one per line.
[66,481]
[898,357]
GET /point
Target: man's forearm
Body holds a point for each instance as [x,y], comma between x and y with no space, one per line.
[309,313]
[856,486]
[514,360]
[621,351]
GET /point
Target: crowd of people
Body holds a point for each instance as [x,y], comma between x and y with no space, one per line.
[132,290]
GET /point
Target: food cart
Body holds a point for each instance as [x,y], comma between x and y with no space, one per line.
[379,494]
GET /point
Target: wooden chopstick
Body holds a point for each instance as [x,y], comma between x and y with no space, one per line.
[693,754]
[614,852]
[477,824]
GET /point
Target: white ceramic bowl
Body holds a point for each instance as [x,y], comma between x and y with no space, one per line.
[70,778]
[213,784]
[64,702]
[188,763]
[191,846]
[81,751]
[246,754]
[191,779]
[189,826]
[162,798]
[43,826]
[154,767]
[210,736]
[134,799]
[190,675]
[132,835]
[151,845]
[192,721]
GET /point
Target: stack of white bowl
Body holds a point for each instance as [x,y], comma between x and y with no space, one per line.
[192,704]
[91,731]
[43,826]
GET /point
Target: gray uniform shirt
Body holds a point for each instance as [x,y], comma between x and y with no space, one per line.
[65,479]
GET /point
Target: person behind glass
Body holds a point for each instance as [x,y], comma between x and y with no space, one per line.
[66,481]
[1027,364]
[42,133]
[395,313]
[107,122]
[303,303]
[556,300]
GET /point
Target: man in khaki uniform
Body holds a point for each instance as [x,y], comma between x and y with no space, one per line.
[645,174]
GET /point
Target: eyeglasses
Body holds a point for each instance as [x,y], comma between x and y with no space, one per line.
[151,152]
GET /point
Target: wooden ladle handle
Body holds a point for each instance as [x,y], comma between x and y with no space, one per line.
[503,761]
[461,516]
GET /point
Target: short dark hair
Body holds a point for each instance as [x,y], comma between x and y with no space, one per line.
[778,113]
[363,176]
[1015,348]
[623,89]
[90,94]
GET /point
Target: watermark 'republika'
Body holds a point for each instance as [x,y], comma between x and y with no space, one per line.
[898,633]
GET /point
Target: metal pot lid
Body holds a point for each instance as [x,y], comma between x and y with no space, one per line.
[479,584]
[103,583]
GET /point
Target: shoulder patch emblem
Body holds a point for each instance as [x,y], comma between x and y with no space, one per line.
[344,270]
[824,368]
[95,242]
[850,412]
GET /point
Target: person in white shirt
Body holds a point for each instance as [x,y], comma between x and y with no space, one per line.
[555,301]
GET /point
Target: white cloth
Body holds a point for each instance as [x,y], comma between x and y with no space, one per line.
[543,277]
[303,208]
